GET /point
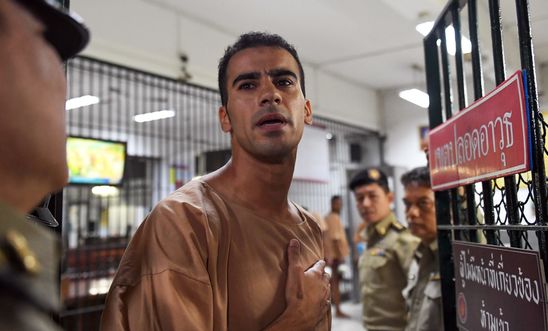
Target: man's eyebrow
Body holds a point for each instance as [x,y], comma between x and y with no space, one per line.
[244,76]
[282,72]
[257,75]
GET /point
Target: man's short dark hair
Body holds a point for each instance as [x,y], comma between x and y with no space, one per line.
[335,198]
[252,40]
[419,176]
[369,176]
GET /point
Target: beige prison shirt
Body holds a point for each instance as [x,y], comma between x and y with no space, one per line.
[384,268]
[336,242]
[201,262]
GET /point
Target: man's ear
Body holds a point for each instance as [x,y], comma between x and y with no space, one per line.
[308,112]
[224,118]
[390,196]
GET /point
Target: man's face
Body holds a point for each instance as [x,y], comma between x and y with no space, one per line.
[373,202]
[32,111]
[266,109]
[336,205]
[420,210]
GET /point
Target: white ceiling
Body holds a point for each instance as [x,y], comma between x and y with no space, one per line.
[369,42]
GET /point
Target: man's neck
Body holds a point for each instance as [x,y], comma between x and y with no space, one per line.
[255,184]
[23,195]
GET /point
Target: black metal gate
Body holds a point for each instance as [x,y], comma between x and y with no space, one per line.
[514,208]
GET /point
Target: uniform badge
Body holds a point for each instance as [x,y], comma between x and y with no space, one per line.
[377,252]
[435,276]
[374,174]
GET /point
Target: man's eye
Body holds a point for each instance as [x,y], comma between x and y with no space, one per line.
[284,82]
[424,204]
[246,86]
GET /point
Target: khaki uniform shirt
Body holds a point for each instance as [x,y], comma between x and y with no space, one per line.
[29,265]
[336,242]
[384,268]
[203,262]
[425,306]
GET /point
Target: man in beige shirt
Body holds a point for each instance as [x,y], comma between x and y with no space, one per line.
[212,255]
[336,249]
[424,301]
[384,265]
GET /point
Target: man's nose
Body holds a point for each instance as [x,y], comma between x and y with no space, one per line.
[412,211]
[270,94]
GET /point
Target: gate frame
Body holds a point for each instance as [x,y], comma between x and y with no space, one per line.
[447,209]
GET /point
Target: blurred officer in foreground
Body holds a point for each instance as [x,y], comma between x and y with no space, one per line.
[384,266]
[35,37]
[425,310]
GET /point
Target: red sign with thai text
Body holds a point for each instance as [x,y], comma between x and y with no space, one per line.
[488,139]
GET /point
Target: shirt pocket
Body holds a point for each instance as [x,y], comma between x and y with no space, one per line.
[431,311]
[372,273]
[375,262]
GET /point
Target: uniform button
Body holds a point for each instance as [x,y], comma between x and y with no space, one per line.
[20,251]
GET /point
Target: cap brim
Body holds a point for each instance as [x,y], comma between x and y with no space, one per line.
[65,30]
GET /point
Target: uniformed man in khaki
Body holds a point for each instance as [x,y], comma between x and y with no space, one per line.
[35,37]
[424,301]
[384,266]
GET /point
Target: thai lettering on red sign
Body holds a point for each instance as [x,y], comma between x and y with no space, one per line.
[488,139]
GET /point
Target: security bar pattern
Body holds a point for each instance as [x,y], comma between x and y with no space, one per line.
[508,211]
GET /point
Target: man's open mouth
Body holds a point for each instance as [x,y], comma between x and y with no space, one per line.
[271,119]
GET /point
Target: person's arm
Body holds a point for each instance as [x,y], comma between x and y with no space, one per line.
[163,282]
[307,295]
[357,240]
[357,234]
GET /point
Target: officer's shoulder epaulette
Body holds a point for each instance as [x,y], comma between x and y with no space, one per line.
[398,226]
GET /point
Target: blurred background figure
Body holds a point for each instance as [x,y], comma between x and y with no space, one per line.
[336,250]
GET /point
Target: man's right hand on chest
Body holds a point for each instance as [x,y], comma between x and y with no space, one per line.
[307,293]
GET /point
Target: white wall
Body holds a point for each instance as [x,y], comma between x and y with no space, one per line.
[401,122]
[149,36]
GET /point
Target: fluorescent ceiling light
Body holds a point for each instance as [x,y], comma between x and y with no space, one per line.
[415,96]
[156,115]
[424,29]
[105,191]
[85,100]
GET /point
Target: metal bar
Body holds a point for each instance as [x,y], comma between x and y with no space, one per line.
[539,176]
[510,186]
[443,214]
[82,311]
[495,227]
[470,215]
[446,76]
[458,58]
[477,75]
